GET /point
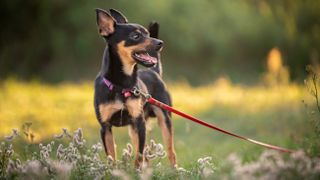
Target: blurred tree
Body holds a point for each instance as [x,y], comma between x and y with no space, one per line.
[277,74]
[57,40]
[299,21]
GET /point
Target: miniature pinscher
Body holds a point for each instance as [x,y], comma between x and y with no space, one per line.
[115,104]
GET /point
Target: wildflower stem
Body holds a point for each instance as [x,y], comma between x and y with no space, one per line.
[314,81]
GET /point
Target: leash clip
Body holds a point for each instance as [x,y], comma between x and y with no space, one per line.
[137,92]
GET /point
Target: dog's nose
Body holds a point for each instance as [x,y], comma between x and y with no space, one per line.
[159,44]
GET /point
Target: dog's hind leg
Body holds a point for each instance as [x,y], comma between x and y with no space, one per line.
[108,141]
[137,132]
[165,123]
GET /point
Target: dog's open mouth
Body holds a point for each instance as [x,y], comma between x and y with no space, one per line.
[145,58]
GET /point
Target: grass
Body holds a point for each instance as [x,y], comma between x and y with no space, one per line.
[273,115]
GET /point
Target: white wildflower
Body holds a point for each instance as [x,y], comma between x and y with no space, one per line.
[66,132]
[152,143]
[58,136]
[205,167]
[272,165]
[96,148]
[14,166]
[12,135]
[34,170]
[234,160]
[9,137]
[78,138]
[146,174]
[120,174]
[207,172]
[10,150]
[154,150]
[110,161]
[181,170]
[200,161]
[61,169]
[159,164]
[130,148]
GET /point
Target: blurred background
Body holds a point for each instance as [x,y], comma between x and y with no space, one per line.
[58,41]
[237,64]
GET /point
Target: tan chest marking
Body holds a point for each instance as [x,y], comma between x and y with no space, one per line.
[126,58]
[108,109]
[134,107]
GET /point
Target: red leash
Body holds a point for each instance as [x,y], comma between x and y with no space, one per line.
[166,107]
[155,102]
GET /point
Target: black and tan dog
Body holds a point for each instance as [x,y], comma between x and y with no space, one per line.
[130,44]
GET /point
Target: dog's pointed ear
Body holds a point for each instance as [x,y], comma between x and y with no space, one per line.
[106,23]
[154,29]
[120,18]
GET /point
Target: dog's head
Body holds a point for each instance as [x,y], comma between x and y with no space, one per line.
[133,42]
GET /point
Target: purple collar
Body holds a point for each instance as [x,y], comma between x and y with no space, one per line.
[125,92]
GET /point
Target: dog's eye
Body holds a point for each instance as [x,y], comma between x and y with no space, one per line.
[135,36]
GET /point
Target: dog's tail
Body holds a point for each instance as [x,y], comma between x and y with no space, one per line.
[154,32]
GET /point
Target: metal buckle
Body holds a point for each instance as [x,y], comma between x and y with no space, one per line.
[138,92]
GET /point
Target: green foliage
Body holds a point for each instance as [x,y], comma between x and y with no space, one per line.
[58,40]
[312,85]
[6,152]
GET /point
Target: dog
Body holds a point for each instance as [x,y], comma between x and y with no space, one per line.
[127,45]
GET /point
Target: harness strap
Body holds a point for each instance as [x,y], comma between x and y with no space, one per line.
[108,83]
[125,92]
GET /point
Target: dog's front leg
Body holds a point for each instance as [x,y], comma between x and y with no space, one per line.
[137,132]
[108,141]
[165,123]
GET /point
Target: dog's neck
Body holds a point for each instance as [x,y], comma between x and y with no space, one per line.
[112,69]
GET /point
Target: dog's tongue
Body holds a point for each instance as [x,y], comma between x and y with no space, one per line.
[147,57]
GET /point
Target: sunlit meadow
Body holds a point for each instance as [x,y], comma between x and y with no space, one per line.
[252,111]
[277,115]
